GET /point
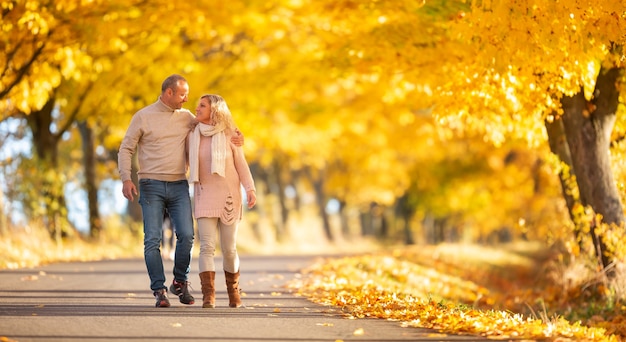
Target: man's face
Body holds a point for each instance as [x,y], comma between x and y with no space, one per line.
[176,97]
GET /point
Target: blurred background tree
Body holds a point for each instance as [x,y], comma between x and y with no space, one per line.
[401,122]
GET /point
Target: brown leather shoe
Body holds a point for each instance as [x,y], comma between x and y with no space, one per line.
[207,280]
[232,286]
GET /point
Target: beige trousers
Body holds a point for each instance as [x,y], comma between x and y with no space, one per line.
[208,229]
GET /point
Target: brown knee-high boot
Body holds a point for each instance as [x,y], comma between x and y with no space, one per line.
[207,280]
[232,286]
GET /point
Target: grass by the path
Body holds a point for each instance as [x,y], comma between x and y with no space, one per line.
[499,293]
[30,247]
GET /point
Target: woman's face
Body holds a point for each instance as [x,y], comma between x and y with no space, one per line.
[203,111]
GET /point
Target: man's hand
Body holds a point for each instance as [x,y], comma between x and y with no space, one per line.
[193,124]
[237,138]
[129,190]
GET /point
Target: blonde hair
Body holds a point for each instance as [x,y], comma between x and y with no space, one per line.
[219,111]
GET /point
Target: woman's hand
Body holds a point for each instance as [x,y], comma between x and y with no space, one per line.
[251,195]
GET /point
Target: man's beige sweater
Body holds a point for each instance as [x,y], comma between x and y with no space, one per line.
[158,133]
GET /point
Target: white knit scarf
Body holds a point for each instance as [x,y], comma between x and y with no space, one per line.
[218,149]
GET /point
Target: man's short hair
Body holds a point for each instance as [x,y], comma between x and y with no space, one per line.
[171,82]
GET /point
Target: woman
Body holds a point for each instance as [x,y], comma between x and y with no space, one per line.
[218,168]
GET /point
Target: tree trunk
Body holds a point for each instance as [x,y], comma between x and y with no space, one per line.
[89,163]
[343,219]
[558,146]
[365,220]
[405,211]
[282,200]
[4,220]
[296,181]
[588,127]
[275,188]
[46,147]
[320,199]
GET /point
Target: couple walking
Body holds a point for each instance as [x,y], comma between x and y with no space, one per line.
[167,139]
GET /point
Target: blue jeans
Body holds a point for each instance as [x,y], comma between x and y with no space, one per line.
[155,196]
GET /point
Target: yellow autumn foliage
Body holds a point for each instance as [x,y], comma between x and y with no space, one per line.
[454,289]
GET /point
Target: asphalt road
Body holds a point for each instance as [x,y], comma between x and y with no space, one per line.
[111,301]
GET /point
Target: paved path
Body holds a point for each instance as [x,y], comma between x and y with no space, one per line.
[111,301]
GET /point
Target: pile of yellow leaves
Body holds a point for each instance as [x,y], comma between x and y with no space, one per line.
[398,286]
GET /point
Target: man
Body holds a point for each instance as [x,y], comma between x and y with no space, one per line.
[158,132]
